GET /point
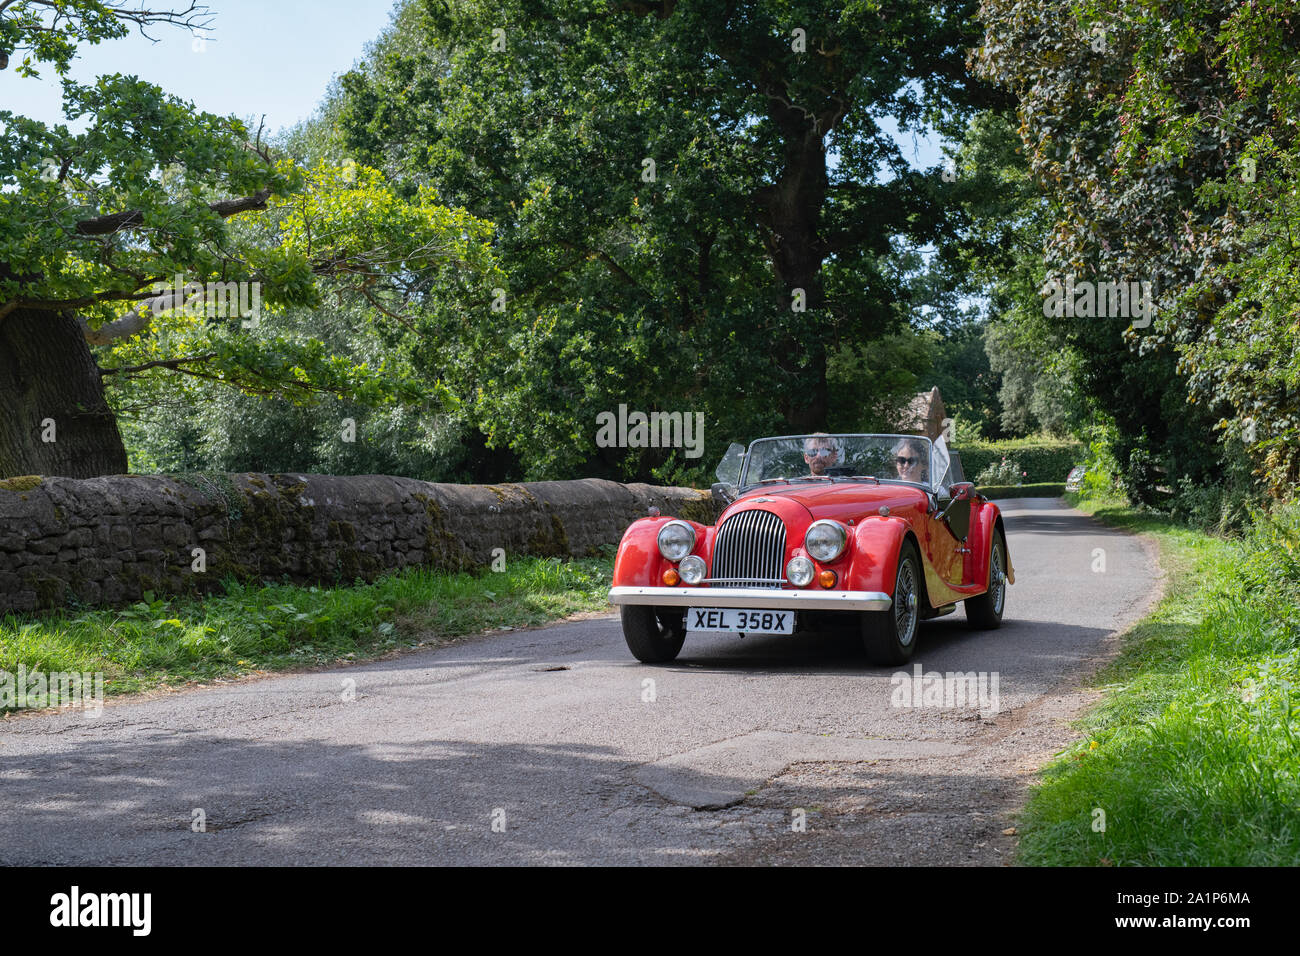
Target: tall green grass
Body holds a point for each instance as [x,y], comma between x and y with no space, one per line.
[162,641]
[1193,754]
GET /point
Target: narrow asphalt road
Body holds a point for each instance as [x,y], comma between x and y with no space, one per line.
[555,746]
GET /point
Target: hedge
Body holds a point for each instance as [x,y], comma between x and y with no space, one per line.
[1043,489]
[1041,460]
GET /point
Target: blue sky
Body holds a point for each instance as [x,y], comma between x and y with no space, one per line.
[272,57]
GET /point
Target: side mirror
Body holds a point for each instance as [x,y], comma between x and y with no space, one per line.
[961,491]
[726,493]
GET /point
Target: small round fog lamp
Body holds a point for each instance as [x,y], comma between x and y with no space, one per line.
[800,571]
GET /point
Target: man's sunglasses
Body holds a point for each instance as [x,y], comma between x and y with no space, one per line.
[819,452]
[909,462]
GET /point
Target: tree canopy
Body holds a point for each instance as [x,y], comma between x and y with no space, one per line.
[98,227]
[696,202]
[514,216]
[1163,136]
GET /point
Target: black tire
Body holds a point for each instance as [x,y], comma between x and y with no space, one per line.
[654,635]
[985,611]
[889,637]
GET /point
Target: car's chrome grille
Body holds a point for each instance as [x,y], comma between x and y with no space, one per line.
[749,551]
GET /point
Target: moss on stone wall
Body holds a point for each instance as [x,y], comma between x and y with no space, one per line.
[699,509]
[316,529]
[21,483]
[552,542]
[215,486]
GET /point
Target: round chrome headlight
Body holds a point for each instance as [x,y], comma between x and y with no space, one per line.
[799,571]
[826,540]
[691,569]
[676,540]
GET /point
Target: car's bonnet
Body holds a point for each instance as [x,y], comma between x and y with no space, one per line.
[841,500]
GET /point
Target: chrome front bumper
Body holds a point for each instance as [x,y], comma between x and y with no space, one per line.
[762,598]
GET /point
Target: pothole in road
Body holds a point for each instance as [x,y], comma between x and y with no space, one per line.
[722,774]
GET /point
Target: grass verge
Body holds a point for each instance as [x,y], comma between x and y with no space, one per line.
[1192,757]
[276,627]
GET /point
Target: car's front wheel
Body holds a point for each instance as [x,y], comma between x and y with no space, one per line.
[890,636]
[654,635]
[985,611]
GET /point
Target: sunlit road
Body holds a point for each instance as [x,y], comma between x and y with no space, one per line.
[555,746]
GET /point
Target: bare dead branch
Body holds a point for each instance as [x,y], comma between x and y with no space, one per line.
[197,17]
[135,321]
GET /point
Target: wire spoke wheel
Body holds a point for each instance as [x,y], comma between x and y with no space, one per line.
[985,610]
[889,636]
[997,576]
[905,603]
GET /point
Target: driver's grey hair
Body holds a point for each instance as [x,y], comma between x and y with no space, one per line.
[830,439]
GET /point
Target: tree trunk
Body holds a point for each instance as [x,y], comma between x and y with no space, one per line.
[789,211]
[53,416]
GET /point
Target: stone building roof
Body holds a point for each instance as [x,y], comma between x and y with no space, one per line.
[924,415]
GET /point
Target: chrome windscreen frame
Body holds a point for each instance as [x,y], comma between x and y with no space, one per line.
[745,486]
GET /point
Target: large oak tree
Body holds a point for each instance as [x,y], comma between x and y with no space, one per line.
[694,199]
[95,226]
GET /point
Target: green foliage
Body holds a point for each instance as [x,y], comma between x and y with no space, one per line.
[1102,472]
[50,33]
[1168,154]
[1221,504]
[1236,320]
[1272,557]
[870,386]
[672,291]
[1023,377]
[1218,508]
[58,187]
[225,431]
[99,221]
[1040,460]
[967,381]
[1039,489]
[1004,472]
[1035,396]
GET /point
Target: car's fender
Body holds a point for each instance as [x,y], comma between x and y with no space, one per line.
[986,518]
[876,543]
[638,562]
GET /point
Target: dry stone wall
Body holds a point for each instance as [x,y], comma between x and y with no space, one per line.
[109,540]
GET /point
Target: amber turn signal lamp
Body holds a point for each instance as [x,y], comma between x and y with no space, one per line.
[826,579]
[671,577]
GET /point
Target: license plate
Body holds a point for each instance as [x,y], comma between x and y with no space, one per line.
[739,621]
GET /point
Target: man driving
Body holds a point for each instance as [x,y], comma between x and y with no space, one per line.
[820,453]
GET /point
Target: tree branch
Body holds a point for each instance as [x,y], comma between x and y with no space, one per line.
[173,364]
[196,17]
[134,322]
[114,222]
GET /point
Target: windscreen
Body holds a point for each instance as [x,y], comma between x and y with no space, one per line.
[824,457]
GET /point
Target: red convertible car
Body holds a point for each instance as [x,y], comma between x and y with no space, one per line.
[881,527]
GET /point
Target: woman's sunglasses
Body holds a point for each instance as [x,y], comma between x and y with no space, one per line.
[909,462]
